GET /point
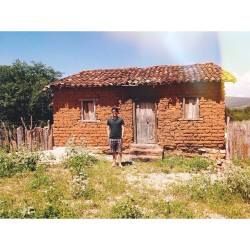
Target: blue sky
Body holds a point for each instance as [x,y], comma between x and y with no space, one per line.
[71,52]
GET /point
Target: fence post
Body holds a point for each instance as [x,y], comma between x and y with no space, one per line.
[227,140]
[41,139]
[20,136]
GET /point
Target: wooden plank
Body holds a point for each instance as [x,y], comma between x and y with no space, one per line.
[227,139]
[42,139]
[134,122]
[45,130]
[145,122]
[239,139]
[20,136]
[50,143]
[91,108]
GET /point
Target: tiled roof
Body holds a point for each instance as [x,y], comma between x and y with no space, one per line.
[156,75]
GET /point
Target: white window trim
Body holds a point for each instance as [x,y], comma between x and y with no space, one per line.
[81,112]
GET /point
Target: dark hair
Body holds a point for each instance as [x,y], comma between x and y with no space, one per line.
[114,109]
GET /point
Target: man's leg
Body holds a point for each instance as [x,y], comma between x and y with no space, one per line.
[114,159]
[120,153]
[120,159]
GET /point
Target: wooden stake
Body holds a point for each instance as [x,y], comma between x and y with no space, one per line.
[227,140]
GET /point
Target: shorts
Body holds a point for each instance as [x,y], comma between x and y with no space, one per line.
[115,145]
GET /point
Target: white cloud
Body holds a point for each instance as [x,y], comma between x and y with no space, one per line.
[241,88]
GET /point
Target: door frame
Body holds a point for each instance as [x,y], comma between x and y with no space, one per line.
[135,101]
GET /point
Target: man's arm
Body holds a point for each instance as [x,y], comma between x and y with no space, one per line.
[108,131]
[123,130]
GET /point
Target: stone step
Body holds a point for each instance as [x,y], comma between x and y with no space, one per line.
[146,150]
[157,152]
[145,158]
[145,146]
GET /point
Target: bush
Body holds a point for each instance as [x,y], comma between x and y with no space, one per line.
[172,162]
[195,164]
[238,182]
[242,162]
[50,212]
[80,187]
[238,114]
[173,209]
[10,214]
[125,210]
[39,180]
[78,162]
[199,187]
[198,163]
[11,163]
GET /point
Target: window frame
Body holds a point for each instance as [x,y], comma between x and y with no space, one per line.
[197,105]
[82,111]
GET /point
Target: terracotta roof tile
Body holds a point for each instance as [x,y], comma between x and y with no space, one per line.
[156,75]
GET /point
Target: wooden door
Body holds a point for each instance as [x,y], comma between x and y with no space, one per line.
[145,122]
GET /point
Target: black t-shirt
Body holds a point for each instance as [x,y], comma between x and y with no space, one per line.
[115,125]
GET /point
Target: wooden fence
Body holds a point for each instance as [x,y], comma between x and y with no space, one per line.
[237,146]
[34,139]
[238,139]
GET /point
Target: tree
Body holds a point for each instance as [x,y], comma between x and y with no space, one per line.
[21,92]
[238,114]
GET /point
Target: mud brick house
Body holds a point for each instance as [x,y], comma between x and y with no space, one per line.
[169,106]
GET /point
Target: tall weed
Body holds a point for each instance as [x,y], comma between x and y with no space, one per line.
[172,209]
[238,181]
[194,164]
[125,209]
[241,162]
[77,163]
[14,162]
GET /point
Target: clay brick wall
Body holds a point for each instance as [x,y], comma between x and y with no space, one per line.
[68,127]
[207,132]
[172,130]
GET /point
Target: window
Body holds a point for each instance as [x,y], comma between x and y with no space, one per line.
[190,108]
[88,110]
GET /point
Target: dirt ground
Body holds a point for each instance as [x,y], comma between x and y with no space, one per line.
[157,181]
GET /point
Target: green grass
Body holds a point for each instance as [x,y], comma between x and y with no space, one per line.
[84,187]
[176,164]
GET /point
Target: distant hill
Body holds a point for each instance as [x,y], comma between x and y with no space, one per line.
[237,102]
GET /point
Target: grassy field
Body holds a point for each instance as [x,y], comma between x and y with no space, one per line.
[82,186]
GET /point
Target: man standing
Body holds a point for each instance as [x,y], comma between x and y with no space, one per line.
[115,131]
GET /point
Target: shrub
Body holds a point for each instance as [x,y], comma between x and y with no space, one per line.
[241,162]
[172,162]
[198,163]
[11,163]
[39,180]
[203,188]
[78,162]
[50,212]
[173,209]
[10,214]
[80,187]
[125,210]
[238,182]
[199,187]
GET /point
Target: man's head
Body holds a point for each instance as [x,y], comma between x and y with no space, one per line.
[115,111]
